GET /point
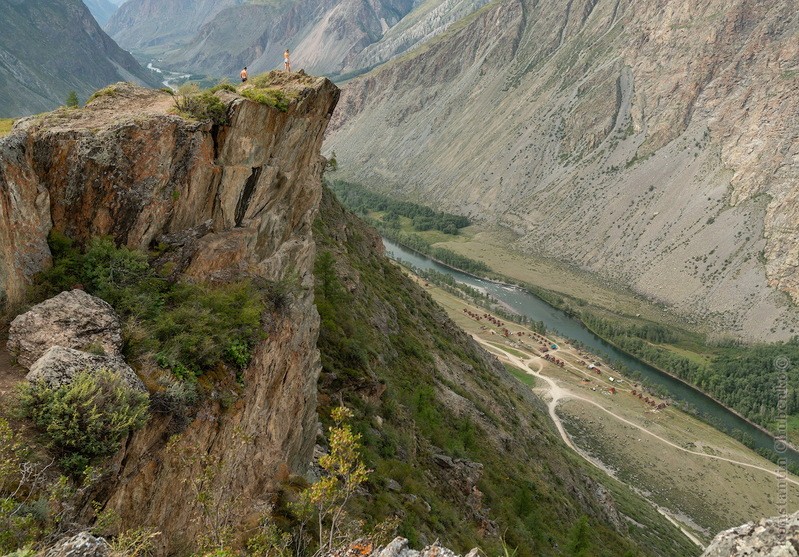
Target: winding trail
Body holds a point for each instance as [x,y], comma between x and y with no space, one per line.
[557,394]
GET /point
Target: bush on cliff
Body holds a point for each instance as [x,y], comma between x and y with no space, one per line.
[185,328]
[202,105]
[87,418]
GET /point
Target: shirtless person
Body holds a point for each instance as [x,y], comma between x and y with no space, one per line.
[244,74]
[286,63]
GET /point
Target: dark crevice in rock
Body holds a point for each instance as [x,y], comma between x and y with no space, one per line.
[246,194]
[215,129]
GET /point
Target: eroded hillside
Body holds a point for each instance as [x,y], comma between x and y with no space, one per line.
[653,144]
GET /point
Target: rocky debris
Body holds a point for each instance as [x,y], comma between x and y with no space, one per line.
[397,548]
[771,537]
[59,366]
[462,476]
[80,545]
[72,319]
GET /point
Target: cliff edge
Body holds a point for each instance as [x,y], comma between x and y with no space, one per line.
[228,201]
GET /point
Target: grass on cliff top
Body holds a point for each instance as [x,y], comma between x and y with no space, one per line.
[5,126]
[267,88]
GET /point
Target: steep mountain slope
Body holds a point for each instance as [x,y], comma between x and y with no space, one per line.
[158,25]
[333,37]
[51,47]
[102,10]
[652,143]
[466,452]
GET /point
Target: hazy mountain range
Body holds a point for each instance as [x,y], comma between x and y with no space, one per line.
[51,47]
[333,37]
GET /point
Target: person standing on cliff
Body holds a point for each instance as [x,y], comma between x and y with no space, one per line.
[286,63]
[244,74]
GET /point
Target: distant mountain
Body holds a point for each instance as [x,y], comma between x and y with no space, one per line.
[51,47]
[652,144]
[159,26]
[101,9]
[331,37]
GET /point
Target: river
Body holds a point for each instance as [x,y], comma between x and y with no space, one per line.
[557,321]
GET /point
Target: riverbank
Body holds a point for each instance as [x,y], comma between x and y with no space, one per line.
[690,386]
[715,413]
[701,478]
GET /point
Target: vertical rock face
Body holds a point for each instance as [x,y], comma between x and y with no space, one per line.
[241,199]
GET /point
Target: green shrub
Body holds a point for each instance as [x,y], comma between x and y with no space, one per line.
[72,100]
[268,96]
[185,328]
[202,105]
[87,418]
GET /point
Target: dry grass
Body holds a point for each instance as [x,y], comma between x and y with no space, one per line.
[5,126]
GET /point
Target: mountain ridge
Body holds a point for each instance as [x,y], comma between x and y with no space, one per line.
[608,143]
[50,48]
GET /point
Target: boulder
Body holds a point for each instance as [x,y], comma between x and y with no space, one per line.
[772,537]
[59,365]
[397,548]
[73,319]
[80,545]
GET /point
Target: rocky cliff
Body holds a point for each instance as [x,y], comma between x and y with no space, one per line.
[775,537]
[232,200]
[49,48]
[652,143]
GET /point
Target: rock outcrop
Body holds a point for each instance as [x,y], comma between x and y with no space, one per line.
[82,544]
[399,547]
[652,144]
[72,319]
[774,537]
[241,198]
[59,366]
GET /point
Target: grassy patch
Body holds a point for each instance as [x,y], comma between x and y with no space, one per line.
[267,89]
[522,376]
[191,102]
[269,96]
[5,126]
[109,91]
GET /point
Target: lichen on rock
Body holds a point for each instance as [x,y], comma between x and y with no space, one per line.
[72,319]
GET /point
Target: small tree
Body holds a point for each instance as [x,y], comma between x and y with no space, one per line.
[72,100]
[332,163]
[345,472]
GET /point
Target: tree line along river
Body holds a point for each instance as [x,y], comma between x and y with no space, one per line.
[559,322]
